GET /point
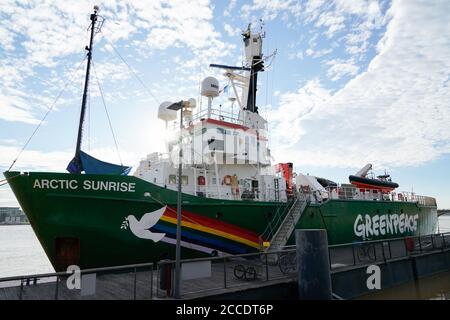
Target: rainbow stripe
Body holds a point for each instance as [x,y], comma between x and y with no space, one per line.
[208,232]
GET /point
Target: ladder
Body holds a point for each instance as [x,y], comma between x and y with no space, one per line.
[286,228]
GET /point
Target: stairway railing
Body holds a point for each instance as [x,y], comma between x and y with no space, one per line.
[277,219]
[282,219]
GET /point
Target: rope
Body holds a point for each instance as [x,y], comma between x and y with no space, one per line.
[46,114]
[89,118]
[107,114]
[134,73]
[5,181]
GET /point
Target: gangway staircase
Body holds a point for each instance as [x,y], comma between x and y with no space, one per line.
[288,223]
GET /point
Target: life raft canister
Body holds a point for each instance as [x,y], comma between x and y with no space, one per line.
[201,180]
[227,180]
[409,243]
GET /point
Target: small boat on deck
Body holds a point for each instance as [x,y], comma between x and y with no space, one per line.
[382,183]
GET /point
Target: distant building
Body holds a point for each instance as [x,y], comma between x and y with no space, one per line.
[12,215]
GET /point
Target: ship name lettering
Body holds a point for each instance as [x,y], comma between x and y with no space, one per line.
[367,226]
[109,186]
[55,184]
[87,185]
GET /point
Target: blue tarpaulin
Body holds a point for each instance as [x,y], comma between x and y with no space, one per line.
[91,165]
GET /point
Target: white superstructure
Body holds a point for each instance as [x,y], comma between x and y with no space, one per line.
[225,153]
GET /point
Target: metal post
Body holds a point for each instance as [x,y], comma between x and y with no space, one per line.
[135,275]
[313,265]
[151,283]
[178,247]
[157,280]
[329,257]
[224,273]
[375,250]
[21,289]
[406,248]
[390,252]
[420,245]
[56,289]
[267,268]
[444,245]
[353,252]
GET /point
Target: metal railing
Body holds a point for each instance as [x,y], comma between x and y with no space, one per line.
[218,114]
[233,271]
[370,252]
[143,281]
[353,193]
[51,285]
[278,218]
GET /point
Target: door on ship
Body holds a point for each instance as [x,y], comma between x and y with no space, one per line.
[67,252]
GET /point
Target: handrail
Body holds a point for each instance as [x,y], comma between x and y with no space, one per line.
[366,242]
[273,226]
[65,273]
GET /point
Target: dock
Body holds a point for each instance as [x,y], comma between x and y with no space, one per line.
[263,275]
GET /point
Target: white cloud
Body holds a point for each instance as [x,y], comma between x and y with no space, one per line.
[340,68]
[14,108]
[230,30]
[318,53]
[297,55]
[394,114]
[229,8]
[51,33]
[270,8]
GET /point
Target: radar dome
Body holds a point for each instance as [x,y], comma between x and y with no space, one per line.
[166,114]
[210,87]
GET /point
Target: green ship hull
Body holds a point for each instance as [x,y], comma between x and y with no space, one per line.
[105,220]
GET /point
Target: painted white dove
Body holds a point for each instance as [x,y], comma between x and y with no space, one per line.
[141,228]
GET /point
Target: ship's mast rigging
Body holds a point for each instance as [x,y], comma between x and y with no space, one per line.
[94,29]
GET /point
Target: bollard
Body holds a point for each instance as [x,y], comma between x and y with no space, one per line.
[165,277]
[314,279]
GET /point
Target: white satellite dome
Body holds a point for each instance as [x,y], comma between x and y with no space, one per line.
[210,87]
[166,114]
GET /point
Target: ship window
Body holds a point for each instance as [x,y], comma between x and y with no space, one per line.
[401,210]
[378,210]
[199,132]
[389,211]
[219,215]
[216,144]
[173,179]
[222,131]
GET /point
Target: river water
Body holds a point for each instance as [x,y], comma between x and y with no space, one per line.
[22,254]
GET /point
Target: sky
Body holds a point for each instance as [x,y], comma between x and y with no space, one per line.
[352,82]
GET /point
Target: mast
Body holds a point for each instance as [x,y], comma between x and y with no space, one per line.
[253,52]
[86,86]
